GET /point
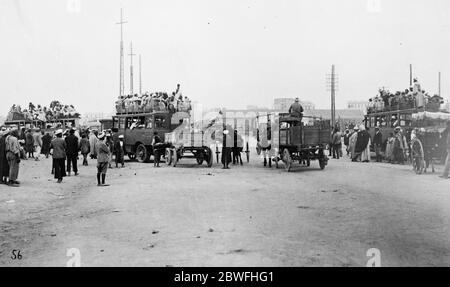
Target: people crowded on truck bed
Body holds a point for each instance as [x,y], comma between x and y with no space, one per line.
[55,111]
[411,98]
[159,101]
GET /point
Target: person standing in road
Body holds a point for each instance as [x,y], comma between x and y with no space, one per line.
[390,148]
[29,144]
[72,148]
[347,141]
[4,164]
[398,151]
[377,143]
[37,141]
[352,142]
[84,148]
[102,159]
[13,157]
[156,143]
[46,141]
[58,146]
[227,143]
[447,161]
[120,151]
[337,143]
[93,142]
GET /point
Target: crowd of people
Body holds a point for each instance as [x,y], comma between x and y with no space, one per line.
[55,111]
[62,146]
[414,97]
[159,101]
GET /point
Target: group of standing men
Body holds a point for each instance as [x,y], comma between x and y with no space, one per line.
[63,146]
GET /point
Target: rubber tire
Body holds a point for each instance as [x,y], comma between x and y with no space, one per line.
[168,156]
[141,149]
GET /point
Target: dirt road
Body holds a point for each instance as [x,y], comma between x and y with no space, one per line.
[246,216]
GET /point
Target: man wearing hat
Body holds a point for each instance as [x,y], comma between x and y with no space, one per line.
[4,165]
[58,146]
[119,150]
[377,142]
[72,149]
[398,146]
[103,154]
[13,157]
[447,162]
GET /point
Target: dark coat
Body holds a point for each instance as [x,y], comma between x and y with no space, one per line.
[378,139]
[347,139]
[72,147]
[59,148]
[362,141]
[46,141]
[85,146]
[4,165]
[29,142]
[119,150]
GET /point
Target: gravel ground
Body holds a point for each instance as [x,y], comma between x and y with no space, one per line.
[246,216]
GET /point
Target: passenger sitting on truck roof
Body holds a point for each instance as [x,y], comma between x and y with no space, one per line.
[296,110]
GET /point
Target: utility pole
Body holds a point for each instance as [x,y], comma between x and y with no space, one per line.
[410,75]
[439,84]
[121,84]
[131,68]
[332,83]
[140,76]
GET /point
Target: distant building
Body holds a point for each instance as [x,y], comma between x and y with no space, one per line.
[358,105]
[283,104]
[446,107]
[89,118]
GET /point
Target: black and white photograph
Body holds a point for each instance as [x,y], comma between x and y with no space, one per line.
[234,134]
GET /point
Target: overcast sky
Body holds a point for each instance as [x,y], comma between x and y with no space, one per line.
[229,53]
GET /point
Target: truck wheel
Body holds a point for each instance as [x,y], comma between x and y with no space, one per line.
[200,157]
[322,164]
[142,153]
[168,156]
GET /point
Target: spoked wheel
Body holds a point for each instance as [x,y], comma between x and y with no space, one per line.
[142,153]
[322,164]
[287,160]
[417,156]
[168,156]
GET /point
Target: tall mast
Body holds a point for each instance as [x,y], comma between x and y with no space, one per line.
[140,76]
[333,96]
[439,83]
[121,84]
[131,68]
[410,75]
